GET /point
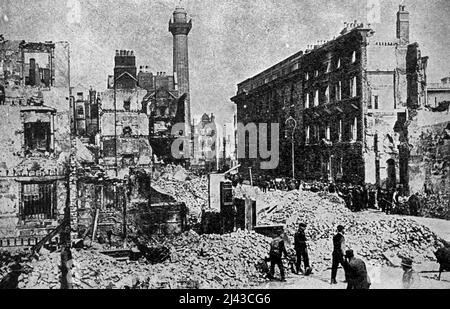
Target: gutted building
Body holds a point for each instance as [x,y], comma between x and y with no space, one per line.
[35,139]
[349,97]
[205,143]
[124,125]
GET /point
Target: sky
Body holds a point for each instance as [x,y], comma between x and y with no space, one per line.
[231,40]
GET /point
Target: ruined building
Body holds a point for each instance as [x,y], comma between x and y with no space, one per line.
[205,143]
[124,125]
[350,97]
[35,139]
[86,115]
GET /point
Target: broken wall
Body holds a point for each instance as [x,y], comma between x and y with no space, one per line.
[24,104]
[429,161]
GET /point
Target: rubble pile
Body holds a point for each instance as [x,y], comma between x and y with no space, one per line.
[204,261]
[436,206]
[193,191]
[220,261]
[45,273]
[370,238]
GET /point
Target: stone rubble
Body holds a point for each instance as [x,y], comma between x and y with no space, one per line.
[193,191]
[232,260]
[204,261]
[371,239]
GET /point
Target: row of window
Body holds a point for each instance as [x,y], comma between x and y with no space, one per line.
[329,66]
[314,98]
[313,134]
[296,66]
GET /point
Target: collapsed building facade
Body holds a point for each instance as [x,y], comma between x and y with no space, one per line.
[84,159]
[35,139]
[352,98]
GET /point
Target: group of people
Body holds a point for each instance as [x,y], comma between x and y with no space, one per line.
[355,269]
[357,198]
[278,249]
[394,201]
[266,183]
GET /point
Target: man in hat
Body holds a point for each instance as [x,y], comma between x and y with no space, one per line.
[338,252]
[277,249]
[355,272]
[301,249]
[410,277]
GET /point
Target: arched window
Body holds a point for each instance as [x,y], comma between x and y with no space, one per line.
[127,131]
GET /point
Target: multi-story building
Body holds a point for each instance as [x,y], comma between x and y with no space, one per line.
[35,140]
[124,124]
[349,97]
[206,143]
[165,108]
[438,92]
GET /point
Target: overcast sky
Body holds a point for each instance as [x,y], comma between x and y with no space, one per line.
[231,40]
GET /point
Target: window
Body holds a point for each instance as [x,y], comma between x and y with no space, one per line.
[354,57]
[307,101]
[338,65]
[329,67]
[353,87]
[375,101]
[327,94]
[354,130]
[316,73]
[80,111]
[127,105]
[340,163]
[338,91]
[340,131]
[38,200]
[328,133]
[128,159]
[127,132]
[37,136]
[316,133]
[306,76]
[307,134]
[316,98]
[109,148]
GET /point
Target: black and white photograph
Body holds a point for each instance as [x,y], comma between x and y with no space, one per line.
[235,145]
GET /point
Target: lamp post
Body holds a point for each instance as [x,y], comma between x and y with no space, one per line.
[291,119]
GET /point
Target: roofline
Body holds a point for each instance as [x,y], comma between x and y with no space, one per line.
[302,54]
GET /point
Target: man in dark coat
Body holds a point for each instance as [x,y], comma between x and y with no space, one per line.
[277,249]
[414,204]
[356,195]
[301,250]
[338,252]
[355,272]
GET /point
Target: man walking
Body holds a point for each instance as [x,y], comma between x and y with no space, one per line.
[355,272]
[338,252]
[277,249]
[301,250]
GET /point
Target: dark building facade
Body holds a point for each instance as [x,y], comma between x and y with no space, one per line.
[349,97]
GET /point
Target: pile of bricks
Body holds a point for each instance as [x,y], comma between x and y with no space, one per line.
[209,261]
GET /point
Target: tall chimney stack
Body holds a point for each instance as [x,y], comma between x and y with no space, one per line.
[180,28]
[403,25]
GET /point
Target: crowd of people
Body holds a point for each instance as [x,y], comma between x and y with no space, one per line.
[356,197]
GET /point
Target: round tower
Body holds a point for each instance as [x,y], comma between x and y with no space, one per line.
[180,27]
